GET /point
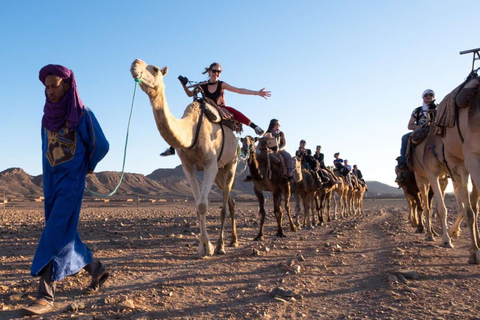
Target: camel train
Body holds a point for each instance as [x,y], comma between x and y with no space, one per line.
[211,146]
[447,146]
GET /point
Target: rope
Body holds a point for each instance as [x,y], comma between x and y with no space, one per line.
[124,152]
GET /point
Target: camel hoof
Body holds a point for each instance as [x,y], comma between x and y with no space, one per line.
[281,235]
[473,259]
[259,238]
[234,244]
[220,251]
[454,233]
[205,250]
[447,244]
[293,229]
[429,238]
[420,229]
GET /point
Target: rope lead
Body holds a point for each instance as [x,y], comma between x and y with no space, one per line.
[124,152]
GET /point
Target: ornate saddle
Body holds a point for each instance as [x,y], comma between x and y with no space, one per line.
[217,114]
[420,134]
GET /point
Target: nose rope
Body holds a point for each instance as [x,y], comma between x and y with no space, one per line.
[137,81]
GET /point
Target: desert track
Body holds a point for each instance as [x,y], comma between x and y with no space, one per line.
[344,270]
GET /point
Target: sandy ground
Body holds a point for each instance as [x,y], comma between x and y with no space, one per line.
[347,269]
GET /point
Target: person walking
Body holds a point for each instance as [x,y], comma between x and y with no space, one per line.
[73,144]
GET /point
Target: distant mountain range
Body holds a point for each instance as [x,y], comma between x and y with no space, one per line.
[161,183]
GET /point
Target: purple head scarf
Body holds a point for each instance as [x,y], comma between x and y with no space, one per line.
[69,108]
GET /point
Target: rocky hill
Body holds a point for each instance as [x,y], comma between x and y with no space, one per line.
[161,183]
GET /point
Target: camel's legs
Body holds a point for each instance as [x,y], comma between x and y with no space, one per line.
[204,247]
[328,199]
[277,210]
[412,218]
[420,219]
[455,229]
[210,172]
[320,206]
[298,210]
[424,187]
[225,178]
[471,163]
[474,197]
[261,204]
[343,207]
[305,220]
[442,210]
[231,207]
[286,191]
[337,204]
[314,207]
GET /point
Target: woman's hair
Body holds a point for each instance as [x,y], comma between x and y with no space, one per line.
[272,124]
[211,66]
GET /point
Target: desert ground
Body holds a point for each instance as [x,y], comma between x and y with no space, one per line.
[370,266]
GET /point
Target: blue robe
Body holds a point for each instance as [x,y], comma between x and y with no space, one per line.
[67,156]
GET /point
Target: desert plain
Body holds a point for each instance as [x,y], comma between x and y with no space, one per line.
[369,266]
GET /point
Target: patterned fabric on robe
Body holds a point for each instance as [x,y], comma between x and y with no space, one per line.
[67,156]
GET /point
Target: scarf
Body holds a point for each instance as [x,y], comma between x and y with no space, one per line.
[69,108]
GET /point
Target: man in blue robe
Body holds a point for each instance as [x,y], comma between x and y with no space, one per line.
[72,145]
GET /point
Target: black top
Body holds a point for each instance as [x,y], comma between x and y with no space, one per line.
[217,95]
[320,158]
[299,153]
[358,173]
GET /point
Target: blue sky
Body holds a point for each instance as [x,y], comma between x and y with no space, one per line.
[343,74]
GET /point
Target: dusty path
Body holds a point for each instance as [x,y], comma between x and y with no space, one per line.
[347,269]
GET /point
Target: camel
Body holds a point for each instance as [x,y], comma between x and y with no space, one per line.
[213,149]
[342,192]
[358,198]
[267,178]
[431,172]
[412,194]
[324,196]
[305,187]
[353,192]
[462,153]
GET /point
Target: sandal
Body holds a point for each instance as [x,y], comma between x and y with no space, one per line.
[95,285]
[39,306]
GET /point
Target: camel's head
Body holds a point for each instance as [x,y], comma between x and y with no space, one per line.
[248,146]
[297,169]
[149,77]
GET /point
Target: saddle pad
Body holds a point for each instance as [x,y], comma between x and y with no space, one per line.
[420,134]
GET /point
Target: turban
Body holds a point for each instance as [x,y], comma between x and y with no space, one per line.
[69,108]
[428,91]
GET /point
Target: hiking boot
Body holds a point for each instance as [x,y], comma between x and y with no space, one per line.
[96,283]
[248,179]
[402,166]
[40,306]
[169,152]
[259,131]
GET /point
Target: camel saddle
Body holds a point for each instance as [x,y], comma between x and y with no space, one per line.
[415,139]
[460,97]
[217,114]
[419,134]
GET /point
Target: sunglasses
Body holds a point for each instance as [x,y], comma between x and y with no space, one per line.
[428,95]
[216,71]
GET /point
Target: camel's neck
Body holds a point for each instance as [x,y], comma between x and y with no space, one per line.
[254,166]
[178,133]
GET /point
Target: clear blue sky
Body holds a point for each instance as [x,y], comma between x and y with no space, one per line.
[343,74]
